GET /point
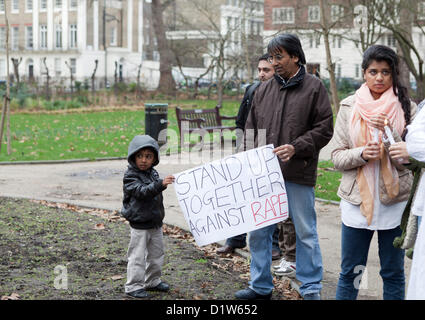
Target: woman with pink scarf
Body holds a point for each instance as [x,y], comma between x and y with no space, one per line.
[374,187]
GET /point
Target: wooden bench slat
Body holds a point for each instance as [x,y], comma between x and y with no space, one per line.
[206,119]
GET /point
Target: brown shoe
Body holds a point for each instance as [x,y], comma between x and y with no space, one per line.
[275,254]
[225,249]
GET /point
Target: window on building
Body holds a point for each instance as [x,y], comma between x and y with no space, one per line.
[43,5]
[73,65]
[283,15]
[338,70]
[15,38]
[58,4]
[28,5]
[337,12]
[73,36]
[73,4]
[357,71]
[58,36]
[2,38]
[337,42]
[15,6]
[28,37]
[2,67]
[2,6]
[113,41]
[421,10]
[43,69]
[58,67]
[317,40]
[390,40]
[313,14]
[43,36]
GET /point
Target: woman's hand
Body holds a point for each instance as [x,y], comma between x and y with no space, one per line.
[398,151]
[379,121]
[372,151]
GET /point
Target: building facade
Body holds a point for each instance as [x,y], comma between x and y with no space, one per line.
[70,35]
[346,18]
[205,33]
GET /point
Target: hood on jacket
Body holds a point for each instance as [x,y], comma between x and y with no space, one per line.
[140,142]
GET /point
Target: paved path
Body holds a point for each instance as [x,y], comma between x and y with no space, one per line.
[99,185]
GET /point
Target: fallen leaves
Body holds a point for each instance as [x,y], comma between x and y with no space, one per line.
[111,216]
[99,226]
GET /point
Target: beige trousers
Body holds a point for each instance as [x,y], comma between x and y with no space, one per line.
[145,257]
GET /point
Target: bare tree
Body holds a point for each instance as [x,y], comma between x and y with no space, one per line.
[167,84]
[226,50]
[93,76]
[330,64]
[139,88]
[16,63]
[48,96]
[71,75]
[5,115]
[400,22]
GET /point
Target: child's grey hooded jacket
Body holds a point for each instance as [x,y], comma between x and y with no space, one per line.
[142,202]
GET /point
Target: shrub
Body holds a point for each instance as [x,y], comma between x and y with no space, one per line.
[73,104]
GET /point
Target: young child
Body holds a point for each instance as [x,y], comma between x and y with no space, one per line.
[143,208]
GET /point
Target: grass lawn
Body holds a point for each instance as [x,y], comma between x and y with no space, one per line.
[86,135]
[328,180]
[105,134]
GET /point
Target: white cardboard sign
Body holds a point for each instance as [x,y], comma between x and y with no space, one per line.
[234,195]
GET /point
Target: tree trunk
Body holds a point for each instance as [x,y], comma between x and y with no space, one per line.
[331,65]
[5,115]
[93,76]
[16,63]
[167,85]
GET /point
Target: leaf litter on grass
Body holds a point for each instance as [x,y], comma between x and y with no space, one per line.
[96,260]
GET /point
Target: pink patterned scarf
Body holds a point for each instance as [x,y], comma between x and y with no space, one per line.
[361,133]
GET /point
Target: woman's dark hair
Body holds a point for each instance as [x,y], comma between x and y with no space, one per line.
[380,53]
[290,43]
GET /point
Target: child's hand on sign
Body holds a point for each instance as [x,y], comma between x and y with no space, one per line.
[285,152]
[168,180]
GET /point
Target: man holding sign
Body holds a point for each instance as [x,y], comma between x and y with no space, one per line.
[294,110]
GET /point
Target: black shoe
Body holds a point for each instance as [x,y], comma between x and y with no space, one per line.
[249,294]
[139,294]
[163,287]
[275,254]
[225,249]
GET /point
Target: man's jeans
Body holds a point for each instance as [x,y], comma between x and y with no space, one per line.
[354,251]
[308,256]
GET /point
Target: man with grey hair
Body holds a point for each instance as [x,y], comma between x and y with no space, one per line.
[295,111]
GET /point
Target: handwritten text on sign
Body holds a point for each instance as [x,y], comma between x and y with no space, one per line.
[233,195]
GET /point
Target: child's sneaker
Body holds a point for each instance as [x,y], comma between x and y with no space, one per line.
[282,262]
[162,286]
[287,269]
[139,294]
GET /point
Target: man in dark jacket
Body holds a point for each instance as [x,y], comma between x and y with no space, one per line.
[265,72]
[294,110]
[144,209]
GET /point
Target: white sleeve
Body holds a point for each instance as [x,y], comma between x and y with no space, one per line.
[415,138]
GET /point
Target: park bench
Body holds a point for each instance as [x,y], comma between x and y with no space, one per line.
[209,120]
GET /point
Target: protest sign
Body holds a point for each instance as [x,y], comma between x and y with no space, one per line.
[234,195]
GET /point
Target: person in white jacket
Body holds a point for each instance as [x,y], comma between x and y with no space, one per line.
[415,148]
